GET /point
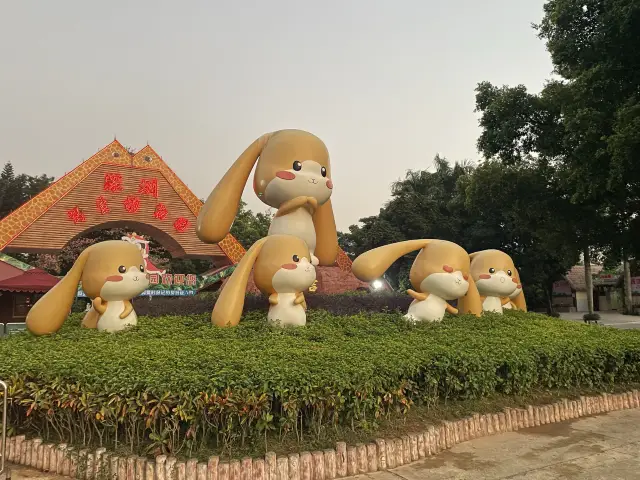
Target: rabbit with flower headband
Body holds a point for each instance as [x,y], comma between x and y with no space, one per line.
[111,273]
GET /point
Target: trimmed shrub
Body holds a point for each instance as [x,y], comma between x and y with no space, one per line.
[343,304]
[176,383]
[591,317]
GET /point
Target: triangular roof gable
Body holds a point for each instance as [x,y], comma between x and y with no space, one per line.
[114,154]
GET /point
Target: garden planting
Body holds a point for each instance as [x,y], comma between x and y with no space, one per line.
[179,386]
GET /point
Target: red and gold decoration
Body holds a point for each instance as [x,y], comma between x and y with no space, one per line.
[131,204]
[112,182]
[161,211]
[76,215]
[102,205]
[148,187]
[181,224]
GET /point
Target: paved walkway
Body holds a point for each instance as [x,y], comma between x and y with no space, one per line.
[611,319]
[600,447]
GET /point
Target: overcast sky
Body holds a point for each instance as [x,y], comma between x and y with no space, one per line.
[387,84]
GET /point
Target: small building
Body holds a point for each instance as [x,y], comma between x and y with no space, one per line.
[570,294]
[19,293]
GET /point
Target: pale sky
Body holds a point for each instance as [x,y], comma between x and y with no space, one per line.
[387,84]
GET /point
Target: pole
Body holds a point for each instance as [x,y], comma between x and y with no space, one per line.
[4,425]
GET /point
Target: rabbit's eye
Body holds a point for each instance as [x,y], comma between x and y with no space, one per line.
[492,270]
[297,166]
[295,258]
[141,268]
[122,269]
[323,171]
[509,272]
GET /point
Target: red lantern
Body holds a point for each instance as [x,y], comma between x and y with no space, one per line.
[102,205]
[131,204]
[76,215]
[112,182]
[181,224]
[161,211]
[148,187]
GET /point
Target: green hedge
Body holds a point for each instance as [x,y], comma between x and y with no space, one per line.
[176,382]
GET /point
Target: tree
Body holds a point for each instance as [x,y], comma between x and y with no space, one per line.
[523,129]
[492,206]
[248,227]
[594,46]
[517,209]
[420,207]
[15,190]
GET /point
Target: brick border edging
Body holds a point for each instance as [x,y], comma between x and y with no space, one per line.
[343,461]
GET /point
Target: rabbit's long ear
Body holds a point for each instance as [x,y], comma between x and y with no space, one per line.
[326,234]
[520,302]
[228,308]
[471,302]
[372,264]
[50,312]
[219,211]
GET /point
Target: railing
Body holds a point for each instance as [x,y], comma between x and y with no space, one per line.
[4,425]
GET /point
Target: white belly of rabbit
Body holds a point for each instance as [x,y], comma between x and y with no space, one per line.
[110,320]
[492,304]
[298,223]
[508,305]
[286,312]
[430,310]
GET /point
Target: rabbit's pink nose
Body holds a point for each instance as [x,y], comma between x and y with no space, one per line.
[286,175]
[329,184]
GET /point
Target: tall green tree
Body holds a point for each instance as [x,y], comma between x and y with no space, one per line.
[491,206]
[17,189]
[528,130]
[249,227]
[594,47]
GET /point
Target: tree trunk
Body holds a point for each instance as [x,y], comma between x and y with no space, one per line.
[549,295]
[588,280]
[628,296]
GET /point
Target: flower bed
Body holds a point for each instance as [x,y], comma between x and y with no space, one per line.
[176,382]
[342,304]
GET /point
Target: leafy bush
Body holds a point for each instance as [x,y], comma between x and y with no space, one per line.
[350,303]
[554,314]
[176,383]
[591,317]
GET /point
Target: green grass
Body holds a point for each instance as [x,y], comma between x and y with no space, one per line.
[178,384]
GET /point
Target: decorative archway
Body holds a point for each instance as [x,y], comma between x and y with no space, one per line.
[115,188]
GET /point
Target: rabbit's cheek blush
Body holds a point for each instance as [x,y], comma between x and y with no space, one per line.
[284,175]
[114,278]
[289,266]
[514,280]
[329,184]
[447,268]
[484,276]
